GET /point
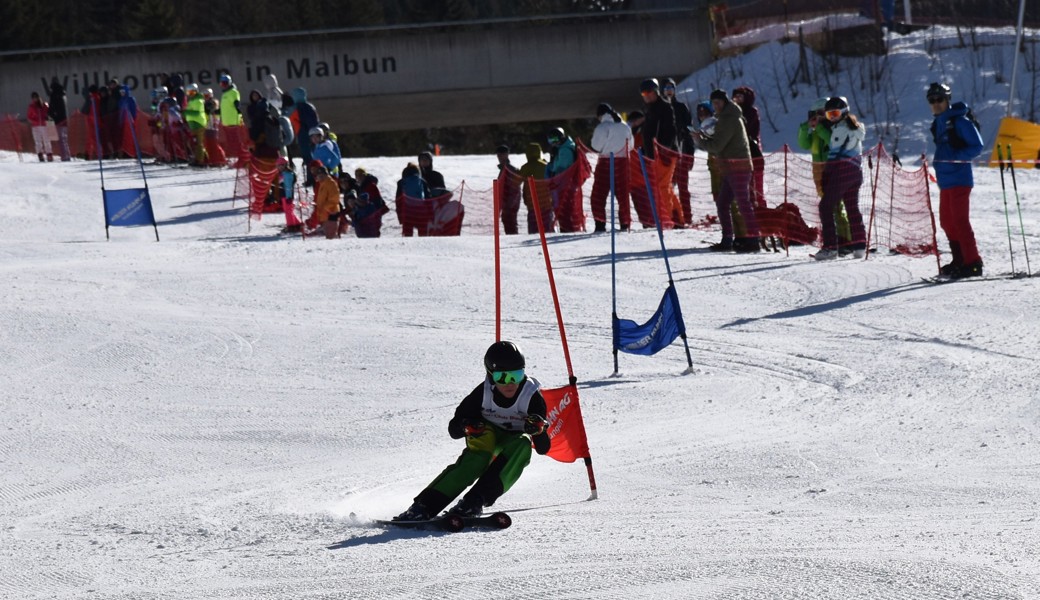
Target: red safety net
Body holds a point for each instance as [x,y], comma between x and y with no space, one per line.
[565,190]
[253,181]
[439,216]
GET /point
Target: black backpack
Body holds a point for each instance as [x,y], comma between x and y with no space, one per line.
[273,134]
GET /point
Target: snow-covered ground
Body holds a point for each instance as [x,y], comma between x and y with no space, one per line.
[196,418]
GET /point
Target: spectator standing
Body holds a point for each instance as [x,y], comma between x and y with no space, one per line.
[814,135]
[744,97]
[308,120]
[410,186]
[611,137]
[59,113]
[432,178]
[195,117]
[37,115]
[659,129]
[730,145]
[534,169]
[326,204]
[509,181]
[273,94]
[563,153]
[324,150]
[683,121]
[957,142]
[287,170]
[230,100]
[842,178]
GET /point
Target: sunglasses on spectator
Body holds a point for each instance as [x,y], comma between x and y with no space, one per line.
[834,114]
[507,377]
[669,88]
[936,99]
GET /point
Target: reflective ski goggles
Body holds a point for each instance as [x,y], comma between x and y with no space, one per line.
[507,377]
[834,114]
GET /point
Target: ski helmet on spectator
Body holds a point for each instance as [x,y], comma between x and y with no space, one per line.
[192,88]
[160,92]
[706,108]
[318,131]
[836,103]
[555,135]
[503,356]
[325,128]
[649,85]
[668,82]
[208,92]
[938,90]
[225,79]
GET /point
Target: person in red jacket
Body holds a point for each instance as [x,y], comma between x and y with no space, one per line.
[37,115]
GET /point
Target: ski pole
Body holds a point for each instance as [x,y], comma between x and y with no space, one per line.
[1018,205]
[1007,219]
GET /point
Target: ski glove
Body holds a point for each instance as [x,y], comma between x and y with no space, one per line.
[534,424]
[473,427]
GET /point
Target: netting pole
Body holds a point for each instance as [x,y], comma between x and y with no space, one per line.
[125,114]
[1007,217]
[892,203]
[552,281]
[497,208]
[1018,205]
[931,214]
[787,223]
[874,176]
[613,272]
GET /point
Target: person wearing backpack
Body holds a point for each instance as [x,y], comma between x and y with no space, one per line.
[957,141]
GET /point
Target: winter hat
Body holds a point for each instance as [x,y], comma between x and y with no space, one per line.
[503,149]
[706,107]
[635,114]
[718,95]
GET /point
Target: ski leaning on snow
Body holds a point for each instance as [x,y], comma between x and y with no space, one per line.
[454,523]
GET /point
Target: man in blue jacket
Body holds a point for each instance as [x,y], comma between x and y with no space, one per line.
[957,142]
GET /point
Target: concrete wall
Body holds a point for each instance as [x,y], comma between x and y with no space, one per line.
[412,80]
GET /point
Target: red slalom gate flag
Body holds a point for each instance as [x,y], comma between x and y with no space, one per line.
[565,426]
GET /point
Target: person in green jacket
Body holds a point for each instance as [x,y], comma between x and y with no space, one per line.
[230,112]
[535,168]
[195,117]
[814,135]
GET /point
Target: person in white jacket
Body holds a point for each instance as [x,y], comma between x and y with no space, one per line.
[612,137]
[842,178]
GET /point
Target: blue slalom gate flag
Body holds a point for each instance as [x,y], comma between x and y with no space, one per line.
[125,208]
[657,333]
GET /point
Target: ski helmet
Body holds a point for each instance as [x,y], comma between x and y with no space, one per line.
[503,356]
[192,88]
[668,82]
[225,79]
[318,131]
[208,92]
[938,90]
[160,92]
[650,85]
[555,135]
[838,103]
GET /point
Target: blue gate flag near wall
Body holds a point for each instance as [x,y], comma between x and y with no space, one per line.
[654,335]
[126,208]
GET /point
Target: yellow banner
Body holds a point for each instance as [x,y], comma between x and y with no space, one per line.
[1023,138]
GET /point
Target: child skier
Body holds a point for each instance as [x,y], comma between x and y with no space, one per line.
[500,419]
